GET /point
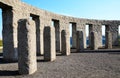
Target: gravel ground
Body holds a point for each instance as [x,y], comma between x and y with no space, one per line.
[77,65]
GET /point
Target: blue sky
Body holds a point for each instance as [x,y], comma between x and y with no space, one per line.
[93,9]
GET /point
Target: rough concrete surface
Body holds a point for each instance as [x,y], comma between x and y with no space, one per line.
[77,65]
[27,47]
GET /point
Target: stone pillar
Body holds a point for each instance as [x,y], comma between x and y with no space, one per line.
[49,44]
[57,35]
[108,43]
[65,43]
[84,34]
[9,36]
[41,36]
[98,29]
[91,28]
[114,31]
[41,42]
[74,35]
[80,41]
[26,47]
[94,44]
[37,23]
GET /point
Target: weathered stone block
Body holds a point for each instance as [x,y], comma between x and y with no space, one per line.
[26,47]
[65,43]
[108,43]
[80,41]
[49,44]
[94,42]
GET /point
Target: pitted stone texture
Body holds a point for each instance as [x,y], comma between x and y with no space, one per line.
[26,47]
[65,43]
[94,41]
[108,44]
[49,44]
[80,41]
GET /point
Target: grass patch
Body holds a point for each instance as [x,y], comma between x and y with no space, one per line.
[1,43]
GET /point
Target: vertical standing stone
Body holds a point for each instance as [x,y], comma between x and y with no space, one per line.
[108,44]
[41,36]
[49,44]
[65,49]
[80,41]
[91,28]
[74,35]
[41,42]
[57,35]
[37,23]
[94,45]
[9,34]
[26,47]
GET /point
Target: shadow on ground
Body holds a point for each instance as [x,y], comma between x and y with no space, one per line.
[1,54]
[112,51]
[41,60]
[2,61]
[8,73]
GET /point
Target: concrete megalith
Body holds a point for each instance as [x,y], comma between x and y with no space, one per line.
[108,43]
[80,41]
[94,44]
[9,35]
[57,35]
[65,43]
[49,44]
[26,47]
